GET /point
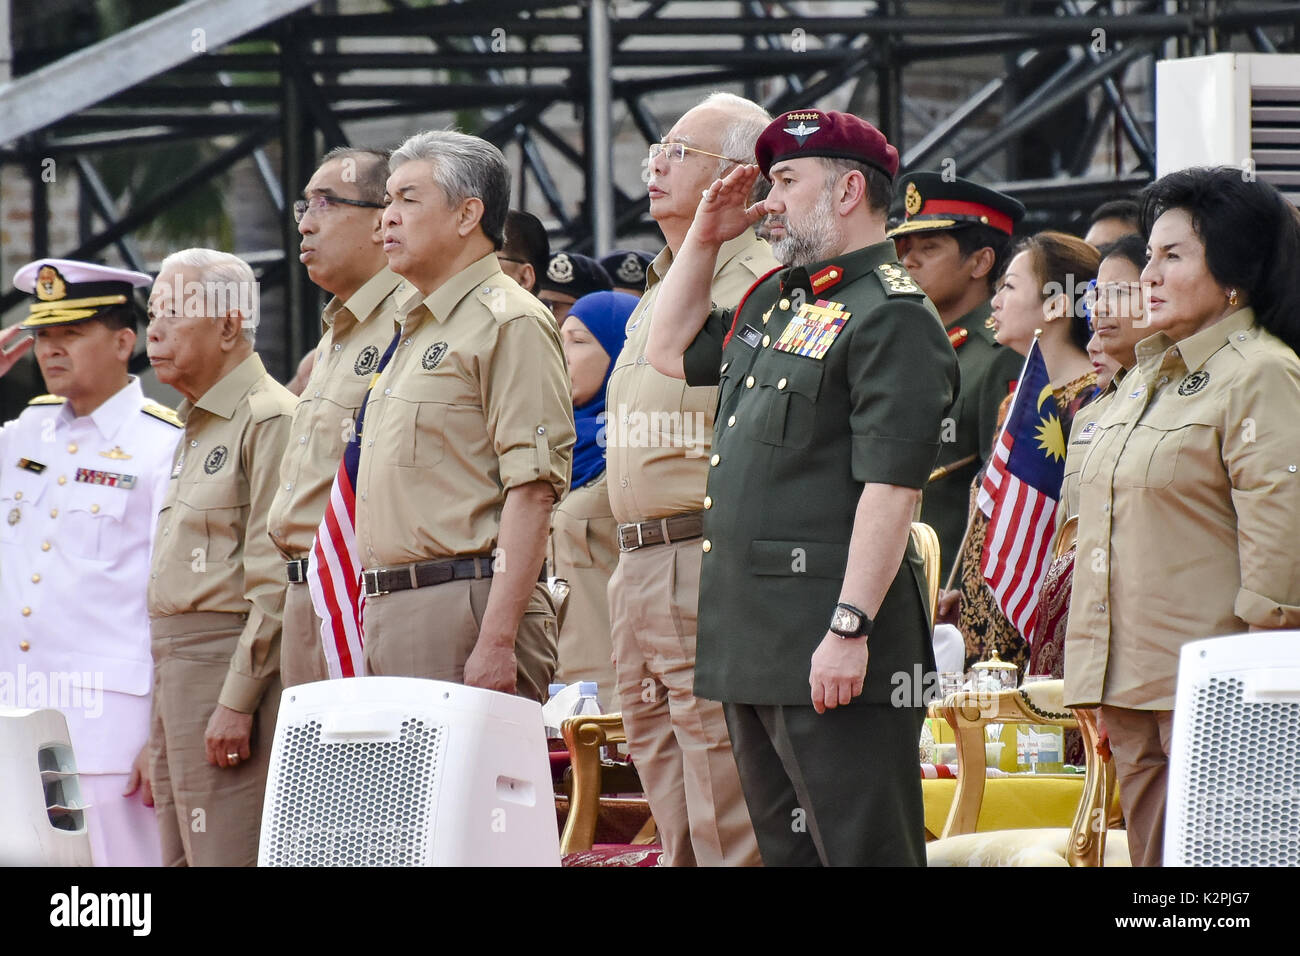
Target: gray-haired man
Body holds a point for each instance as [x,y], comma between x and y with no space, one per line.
[466,438]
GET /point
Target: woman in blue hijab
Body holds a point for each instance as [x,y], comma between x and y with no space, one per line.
[583,529]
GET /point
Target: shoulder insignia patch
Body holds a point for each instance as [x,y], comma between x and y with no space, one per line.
[163,414]
[957,335]
[896,280]
[47,400]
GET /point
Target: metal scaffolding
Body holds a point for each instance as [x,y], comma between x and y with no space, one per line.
[1034,128]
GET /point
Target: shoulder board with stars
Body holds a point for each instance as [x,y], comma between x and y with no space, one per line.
[163,414]
[896,280]
[47,400]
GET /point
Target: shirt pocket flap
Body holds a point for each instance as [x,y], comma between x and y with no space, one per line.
[208,495]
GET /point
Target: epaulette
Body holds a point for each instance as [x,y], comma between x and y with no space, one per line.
[735,315]
[896,280]
[267,403]
[47,400]
[163,414]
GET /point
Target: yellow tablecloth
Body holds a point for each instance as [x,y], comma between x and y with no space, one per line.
[1010,803]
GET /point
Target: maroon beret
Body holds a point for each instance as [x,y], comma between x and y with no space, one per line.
[825,133]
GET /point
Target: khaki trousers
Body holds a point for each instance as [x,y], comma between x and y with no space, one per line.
[1140,741]
[678,741]
[302,659]
[207,815]
[430,632]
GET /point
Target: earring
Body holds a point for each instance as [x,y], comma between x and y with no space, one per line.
[1232,297]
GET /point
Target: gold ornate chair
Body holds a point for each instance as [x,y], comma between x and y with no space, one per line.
[585,735]
[1083,844]
[927,544]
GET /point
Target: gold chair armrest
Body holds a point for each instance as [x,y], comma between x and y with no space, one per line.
[585,735]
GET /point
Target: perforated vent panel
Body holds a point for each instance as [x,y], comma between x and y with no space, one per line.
[366,803]
[1241,797]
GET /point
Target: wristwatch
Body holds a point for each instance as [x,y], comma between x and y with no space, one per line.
[848,621]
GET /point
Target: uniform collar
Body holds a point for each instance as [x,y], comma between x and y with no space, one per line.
[363,303]
[224,397]
[976,318]
[850,266]
[443,300]
[1195,350]
[729,250]
[115,412]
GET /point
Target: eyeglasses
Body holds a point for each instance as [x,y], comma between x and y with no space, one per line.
[318,204]
[676,152]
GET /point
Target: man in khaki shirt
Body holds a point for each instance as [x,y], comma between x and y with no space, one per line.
[466,439]
[342,248]
[659,434]
[216,586]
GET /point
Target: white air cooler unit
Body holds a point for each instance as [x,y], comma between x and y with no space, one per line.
[1234,772]
[42,812]
[397,771]
[1229,109]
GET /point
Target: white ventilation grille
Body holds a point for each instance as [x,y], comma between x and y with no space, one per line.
[1241,803]
[355,803]
[1275,136]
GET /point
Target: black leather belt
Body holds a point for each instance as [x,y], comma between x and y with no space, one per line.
[425,574]
[296,571]
[661,531]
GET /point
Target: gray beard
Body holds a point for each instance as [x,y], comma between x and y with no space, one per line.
[799,248]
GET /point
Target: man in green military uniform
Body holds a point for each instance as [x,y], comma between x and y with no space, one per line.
[835,376]
[954,244]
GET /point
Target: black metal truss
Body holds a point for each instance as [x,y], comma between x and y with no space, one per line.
[302,100]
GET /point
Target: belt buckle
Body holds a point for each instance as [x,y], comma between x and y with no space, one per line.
[639,543]
[369,581]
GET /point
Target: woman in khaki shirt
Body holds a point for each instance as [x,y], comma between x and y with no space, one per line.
[584,534]
[1189,496]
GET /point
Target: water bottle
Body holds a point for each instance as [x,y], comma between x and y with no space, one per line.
[587,703]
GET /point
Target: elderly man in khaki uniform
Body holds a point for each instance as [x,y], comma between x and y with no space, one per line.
[216,587]
[338,219]
[466,439]
[659,435]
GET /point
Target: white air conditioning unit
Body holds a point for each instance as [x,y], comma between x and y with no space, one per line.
[397,771]
[1231,109]
[42,812]
[1234,771]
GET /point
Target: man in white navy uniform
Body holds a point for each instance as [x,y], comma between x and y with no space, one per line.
[83,472]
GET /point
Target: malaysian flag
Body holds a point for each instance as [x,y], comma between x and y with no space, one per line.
[1019,493]
[334,572]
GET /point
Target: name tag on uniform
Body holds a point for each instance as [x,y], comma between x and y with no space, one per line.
[110,478]
[813,329]
[28,465]
[750,336]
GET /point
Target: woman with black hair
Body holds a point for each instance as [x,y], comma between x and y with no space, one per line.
[1189,494]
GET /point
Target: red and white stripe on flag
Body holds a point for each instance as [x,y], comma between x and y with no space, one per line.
[1016,547]
[334,579]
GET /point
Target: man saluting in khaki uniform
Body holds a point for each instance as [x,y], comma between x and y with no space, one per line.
[658,461]
[466,439]
[216,588]
[342,248]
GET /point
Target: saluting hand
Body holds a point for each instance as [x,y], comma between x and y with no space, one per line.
[839,669]
[723,212]
[9,356]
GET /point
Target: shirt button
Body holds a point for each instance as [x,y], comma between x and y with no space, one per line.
[337,347]
[767,340]
[640,360]
[783,304]
[94,509]
[63,480]
[541,429]
[194,443]
[27,612]
[36,579]
[302,440]
[707,546]
[731,421]
[54,512]
[289,486]
[1241,336]
[1101,608]
[24,646]
[18,496]
[388,391]
[781,384]
[316,394]
[625,418]
[406,342]
[714,460]
[749,382]
[623,482]
[1164,380]
[708,502]
[45,546]
[72,448]
[370,442]
[1291,468]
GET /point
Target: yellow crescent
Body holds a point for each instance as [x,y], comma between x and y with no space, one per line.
[1043,395]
